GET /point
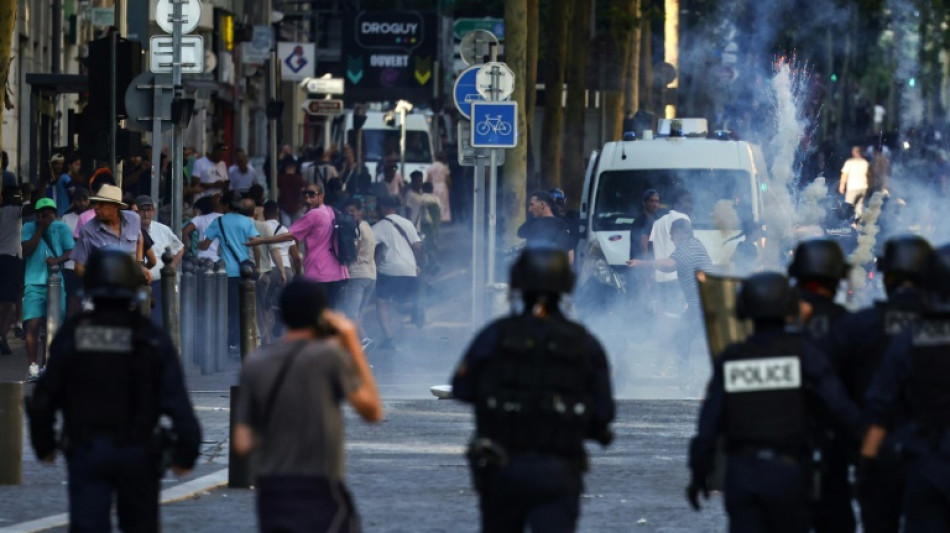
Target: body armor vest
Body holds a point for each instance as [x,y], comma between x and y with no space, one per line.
[889,319]
[114,382]
[825,312]
[764,401]
[929,390]
[534,394]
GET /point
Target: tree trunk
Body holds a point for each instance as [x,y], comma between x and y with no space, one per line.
[555,59]
[632,84]
[531,89]
[572,180]
[622,23]
[513,183]
[646,56]
[7,24]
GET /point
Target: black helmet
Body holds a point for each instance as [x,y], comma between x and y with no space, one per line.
[766,295]
[542,270]
[112,273]
[557,196]
[908,255]
[818,258]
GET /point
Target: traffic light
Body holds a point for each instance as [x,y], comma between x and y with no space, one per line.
[128,65]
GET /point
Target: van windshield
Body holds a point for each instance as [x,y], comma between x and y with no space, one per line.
[617,202]
[378,144]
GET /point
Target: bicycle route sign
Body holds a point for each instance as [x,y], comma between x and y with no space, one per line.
[494,124]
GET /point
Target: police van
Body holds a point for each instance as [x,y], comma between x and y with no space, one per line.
[723,176]
[380,135]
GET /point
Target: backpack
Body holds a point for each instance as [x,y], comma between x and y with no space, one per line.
[346,234]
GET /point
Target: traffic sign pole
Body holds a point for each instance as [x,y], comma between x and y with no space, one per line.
[492,176]
[177,138]
[157,146]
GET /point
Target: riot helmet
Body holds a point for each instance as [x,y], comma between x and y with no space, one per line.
[557,196]
[907,255]
[765,296]
[112,274]
[542,270]
[818,259]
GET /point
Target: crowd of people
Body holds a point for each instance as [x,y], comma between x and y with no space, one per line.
[395,227]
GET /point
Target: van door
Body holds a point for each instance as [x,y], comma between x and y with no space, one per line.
[584,214]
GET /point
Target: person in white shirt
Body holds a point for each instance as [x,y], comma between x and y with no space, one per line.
[242,173]
[398,254]
[162,237]
[661,240]
[210,209]
[289,258]
[854,180]
[210,173]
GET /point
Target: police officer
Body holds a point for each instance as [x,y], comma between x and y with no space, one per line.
[818,266]
[540,387]
[760,400]
[112,373]
[857,344]
[915,375]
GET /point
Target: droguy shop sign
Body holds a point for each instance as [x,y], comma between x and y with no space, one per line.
[389,55]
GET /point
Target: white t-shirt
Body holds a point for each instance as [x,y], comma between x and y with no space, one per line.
[856,169]
[242,181]
[201,223]
[398,259]
[282,247]
[163,237]
[663,245]
[210,173]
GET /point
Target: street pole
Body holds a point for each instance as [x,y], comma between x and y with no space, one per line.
[177,138]
[492,180]
[272,121]
[157,144]
[478,226]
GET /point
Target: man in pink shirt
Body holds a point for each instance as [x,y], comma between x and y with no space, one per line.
[315,230]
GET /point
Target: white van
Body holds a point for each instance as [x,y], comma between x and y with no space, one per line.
[713,170]
[381,139]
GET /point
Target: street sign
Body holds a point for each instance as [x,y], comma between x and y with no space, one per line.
[190,13]
[297,60]
[464,26]
[323,107]
[494,124]
[466,91]
[325,85]
[259,49]
[140,101]
[101,16]
[161,49]
[476,46]
[468,154]
[505,80]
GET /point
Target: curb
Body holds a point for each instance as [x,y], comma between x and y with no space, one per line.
[170,495]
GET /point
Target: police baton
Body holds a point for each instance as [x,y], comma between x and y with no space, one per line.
[170,300]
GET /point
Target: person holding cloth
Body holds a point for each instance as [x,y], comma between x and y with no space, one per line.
[289,414]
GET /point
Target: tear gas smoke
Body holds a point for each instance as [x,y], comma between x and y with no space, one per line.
[867,240]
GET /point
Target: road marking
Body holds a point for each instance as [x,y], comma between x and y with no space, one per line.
[173,494]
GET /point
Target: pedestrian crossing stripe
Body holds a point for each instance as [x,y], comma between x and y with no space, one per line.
[768,374]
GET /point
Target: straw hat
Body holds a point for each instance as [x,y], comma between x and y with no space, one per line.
[109,194]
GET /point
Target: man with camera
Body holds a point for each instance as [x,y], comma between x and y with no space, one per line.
[289,413]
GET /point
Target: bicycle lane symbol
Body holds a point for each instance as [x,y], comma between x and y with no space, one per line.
[493,124]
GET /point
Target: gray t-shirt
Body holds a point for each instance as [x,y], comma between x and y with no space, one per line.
[305,433]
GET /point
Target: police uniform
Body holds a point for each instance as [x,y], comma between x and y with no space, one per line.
[540,386]
[821,263]
[112,373]
[858,344]
[761,400]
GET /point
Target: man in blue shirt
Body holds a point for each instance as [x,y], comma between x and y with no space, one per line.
[231,230]
[60,185]
[46,242]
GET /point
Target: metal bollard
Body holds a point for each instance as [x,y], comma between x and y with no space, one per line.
[208,332]
[54,306]
[187,312]
[170,300]
[239,468]
[250,338]
[221,314]
[11,433]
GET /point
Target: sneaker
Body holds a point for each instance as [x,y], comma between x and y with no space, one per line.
[366,342]
[387,344]
[34,373]
[4,347]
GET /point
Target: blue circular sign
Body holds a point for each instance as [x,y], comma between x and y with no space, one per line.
[465,91]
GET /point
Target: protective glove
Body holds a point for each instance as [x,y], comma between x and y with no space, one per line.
[697,484]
